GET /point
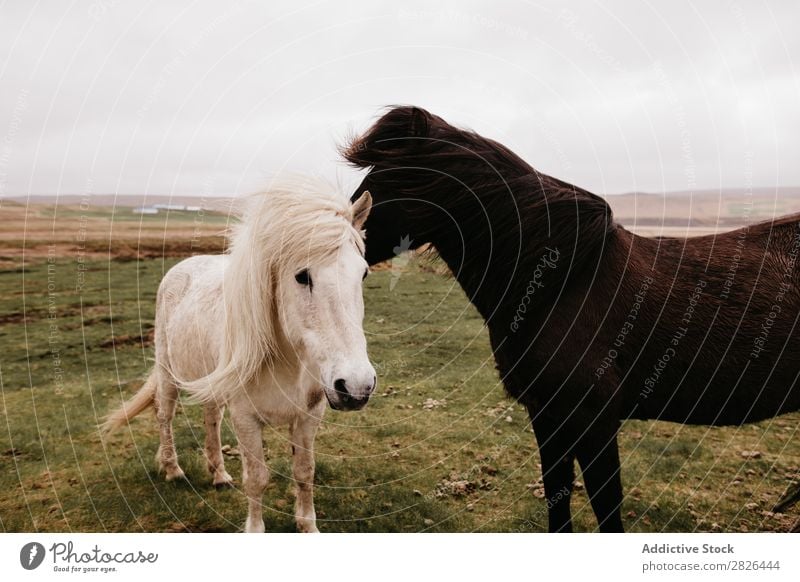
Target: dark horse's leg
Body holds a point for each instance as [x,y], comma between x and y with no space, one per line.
[558,470]
[598,456]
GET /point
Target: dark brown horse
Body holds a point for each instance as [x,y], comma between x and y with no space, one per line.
[589,323]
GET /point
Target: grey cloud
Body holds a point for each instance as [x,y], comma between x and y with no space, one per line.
[171,97]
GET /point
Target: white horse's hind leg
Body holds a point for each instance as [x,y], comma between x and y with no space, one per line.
[303,432]
[255,474]
[166,401]
[216,462]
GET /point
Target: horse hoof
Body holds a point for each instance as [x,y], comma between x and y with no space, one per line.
[176,475]
[223,480]
[789,498]
[223,485]
[257,527]
[304,526]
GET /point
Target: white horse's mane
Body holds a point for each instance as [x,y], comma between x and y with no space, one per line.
[296,223]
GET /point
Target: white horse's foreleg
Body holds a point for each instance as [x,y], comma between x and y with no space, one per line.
[303,431]
[255,474]
[216,462]
[166,401]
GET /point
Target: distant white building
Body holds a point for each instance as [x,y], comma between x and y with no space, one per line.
[169,206]
[155,208]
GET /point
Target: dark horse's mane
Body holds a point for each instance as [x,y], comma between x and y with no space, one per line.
[420,156]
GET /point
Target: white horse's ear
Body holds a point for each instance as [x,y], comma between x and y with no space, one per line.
[361,208]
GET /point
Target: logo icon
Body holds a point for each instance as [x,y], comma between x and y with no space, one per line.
[400,260]
[31,555]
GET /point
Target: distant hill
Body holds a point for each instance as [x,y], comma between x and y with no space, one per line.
[707,209]
[218,203]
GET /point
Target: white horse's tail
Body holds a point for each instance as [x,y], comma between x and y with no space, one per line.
[141,401]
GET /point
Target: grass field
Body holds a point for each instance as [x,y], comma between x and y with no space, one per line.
[439,448]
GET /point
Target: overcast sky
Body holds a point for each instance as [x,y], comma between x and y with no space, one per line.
[213,98]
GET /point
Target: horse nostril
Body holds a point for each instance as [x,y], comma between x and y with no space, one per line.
[341,387]
[352,397]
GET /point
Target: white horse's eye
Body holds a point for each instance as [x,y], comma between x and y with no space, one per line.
[366,272]
[304,278]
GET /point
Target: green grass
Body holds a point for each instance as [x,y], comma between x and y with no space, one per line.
[467,462]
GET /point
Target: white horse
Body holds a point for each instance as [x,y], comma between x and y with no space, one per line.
[269,329]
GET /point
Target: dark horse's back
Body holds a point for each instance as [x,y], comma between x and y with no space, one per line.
[724,347]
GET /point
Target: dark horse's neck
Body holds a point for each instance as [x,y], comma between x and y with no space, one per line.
[518,242]
[500,225]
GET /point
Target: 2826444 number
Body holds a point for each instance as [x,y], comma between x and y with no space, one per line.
[744,565]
